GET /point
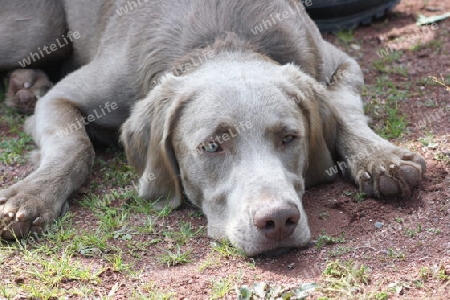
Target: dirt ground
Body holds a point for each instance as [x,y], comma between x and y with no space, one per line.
[405,244]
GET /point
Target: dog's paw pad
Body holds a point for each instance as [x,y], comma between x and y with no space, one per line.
[410,174]
[388,187]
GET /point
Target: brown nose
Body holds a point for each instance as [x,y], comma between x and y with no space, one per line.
[277,223]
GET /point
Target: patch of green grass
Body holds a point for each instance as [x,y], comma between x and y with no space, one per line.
[357,197]
[399,220]
[211,260]
[165,212]
[340,250]
[437,272]
[184,234]
[90,244]
[112,220]
[394,125]
[119,227]
[11,119]
[324,240]
[386,64]
[323,215]
[117,263]
[147,226]
[346,36]
[426,81]
[443,157]
[150,291]
[13,150]
[442,81]
[384,108]
[55,270]
[97,203]
[116,171]
[197,214]
[45,277]
[174,258]
[137,204]
[428,141]
[425,273]
[381,296]
[396,255]
[344,280]
[263,290]
[222,287]
[62,237]
[435,45]
[412,232]
[226,249]
[347,193]
[360,196]
[434,231]
[15,144]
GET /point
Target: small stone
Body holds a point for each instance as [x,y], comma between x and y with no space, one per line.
[379,225]
[290,266]
[355,46]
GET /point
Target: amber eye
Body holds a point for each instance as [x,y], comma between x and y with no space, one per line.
[287,139]
[211,147]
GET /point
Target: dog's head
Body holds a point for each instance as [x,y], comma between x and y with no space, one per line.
[237,136]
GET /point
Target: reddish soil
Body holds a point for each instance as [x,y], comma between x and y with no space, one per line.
[415,232]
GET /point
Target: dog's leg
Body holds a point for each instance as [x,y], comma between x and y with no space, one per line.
[66,153]
[377,166]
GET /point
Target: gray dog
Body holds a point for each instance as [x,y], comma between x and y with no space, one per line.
[238,104]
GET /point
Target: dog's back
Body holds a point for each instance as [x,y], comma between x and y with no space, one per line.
[156,34]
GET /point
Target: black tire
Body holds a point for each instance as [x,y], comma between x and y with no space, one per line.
[336,15]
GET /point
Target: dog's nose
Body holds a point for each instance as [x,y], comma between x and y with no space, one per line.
[277,223]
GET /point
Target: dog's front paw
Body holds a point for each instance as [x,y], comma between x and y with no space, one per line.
[390,172]
[24,210]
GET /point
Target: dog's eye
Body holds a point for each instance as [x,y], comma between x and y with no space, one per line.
[211,147]
[287,139]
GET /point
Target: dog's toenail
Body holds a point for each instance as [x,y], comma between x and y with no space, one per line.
[366,176]
[20,216]
[37,221]
[408,156]
[382,170]
[27,85]
[392,166]
[11,215]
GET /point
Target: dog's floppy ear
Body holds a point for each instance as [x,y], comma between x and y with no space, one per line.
[310,97]
[146,137]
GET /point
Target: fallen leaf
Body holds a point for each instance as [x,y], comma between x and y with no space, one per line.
[423,20]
